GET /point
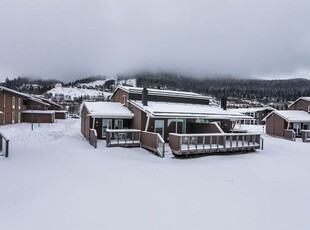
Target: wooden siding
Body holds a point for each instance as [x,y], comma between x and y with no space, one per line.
[6,106]
[300,105]
[170,98]
[275,125]
[119,96]
[38,118]
[36,105]
[85,123]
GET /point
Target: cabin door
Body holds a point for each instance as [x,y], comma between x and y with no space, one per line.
[159,127]
[297,128]
[106,124]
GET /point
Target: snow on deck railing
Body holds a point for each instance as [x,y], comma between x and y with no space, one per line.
[4,145]
[290,134]
[305,135]
[122,137]
[181,144]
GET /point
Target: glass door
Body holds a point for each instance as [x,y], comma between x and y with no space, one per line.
[159,127]
[297,128]
[106,124]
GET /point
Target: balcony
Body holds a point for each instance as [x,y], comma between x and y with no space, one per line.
[187,144]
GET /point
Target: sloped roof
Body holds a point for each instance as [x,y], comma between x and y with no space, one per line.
[179,110]
[301,98]
[159,92]
[28,96]
[107,110]
[39,111]
[291,115]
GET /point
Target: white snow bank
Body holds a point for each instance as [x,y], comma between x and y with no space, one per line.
[67,184]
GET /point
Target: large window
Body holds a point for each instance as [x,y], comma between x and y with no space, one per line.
[19,103]
[19,117]
[13,117]
[13,102]
[176,125]
[118,124]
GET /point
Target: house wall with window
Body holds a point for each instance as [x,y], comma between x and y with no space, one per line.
[300,104]
[11,106]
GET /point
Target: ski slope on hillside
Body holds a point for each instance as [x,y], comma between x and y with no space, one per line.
[54,179]
[73,93]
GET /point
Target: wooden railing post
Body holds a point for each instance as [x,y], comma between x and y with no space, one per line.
[6,148]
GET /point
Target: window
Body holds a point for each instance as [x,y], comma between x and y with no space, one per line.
[13,117]
[19,116]
[19,103]
[118,124]
[13,102]
[4,100]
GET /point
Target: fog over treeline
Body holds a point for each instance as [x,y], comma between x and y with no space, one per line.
[65,39]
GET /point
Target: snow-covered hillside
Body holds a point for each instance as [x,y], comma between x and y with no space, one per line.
[95,84]
[74,93]
[54,179]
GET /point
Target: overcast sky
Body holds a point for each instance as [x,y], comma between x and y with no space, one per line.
[66,39]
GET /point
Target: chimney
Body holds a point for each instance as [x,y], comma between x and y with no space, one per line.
[144,96]
[224,103]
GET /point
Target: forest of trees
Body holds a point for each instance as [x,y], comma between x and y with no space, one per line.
[262,90]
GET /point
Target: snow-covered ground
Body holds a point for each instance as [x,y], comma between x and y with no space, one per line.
[54,179]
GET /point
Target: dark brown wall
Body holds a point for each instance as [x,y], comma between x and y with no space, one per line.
[7,106]
[55,107]
[204,128]
[60,115]
[138,97]
[118,96]
[300,105]
[85,123]
[275,125]
[36,105]
[139,119]
[38,118]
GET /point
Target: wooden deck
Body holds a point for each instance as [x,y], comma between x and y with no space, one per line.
[123,137]
[187,144]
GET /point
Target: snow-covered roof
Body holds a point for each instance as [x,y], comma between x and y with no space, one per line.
[167,93]
[291,115]
[41,97]
[107,110]
[39,111]
[178,110]
[24,95]
[38,100]
[251,110]
[301,98]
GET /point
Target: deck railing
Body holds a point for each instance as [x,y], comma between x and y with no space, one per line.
[184,144]
[153,142]
[305,135]
[290,134]
[4,146]
[123,137]
[93,137]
